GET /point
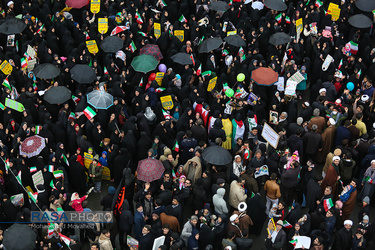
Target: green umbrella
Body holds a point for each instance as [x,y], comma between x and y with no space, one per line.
[144,63]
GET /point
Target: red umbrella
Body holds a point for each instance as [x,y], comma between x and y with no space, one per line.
[77,4]
[152,50]
[264,76]
[32,146]
[119,29]
[149,170]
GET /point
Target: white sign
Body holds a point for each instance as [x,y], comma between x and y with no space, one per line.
[291,87]
[263,170]
[38,178]
[270,135]
[280,84]
[30,51]
[302,241]
[158,242]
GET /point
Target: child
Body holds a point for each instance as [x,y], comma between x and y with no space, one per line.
[364,224]
[273,213]
[359,241]
[280,210]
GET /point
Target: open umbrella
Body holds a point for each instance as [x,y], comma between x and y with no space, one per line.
[112,44]
[119,29]
[235,40]
[83,74]
[149,170]
[279,38]
[100,99]
[152,50]
[278,5]
[12,26]
[32,146]
[360,21]
[264,76]
[217,155]
[19,237]
[46,71]
[219,6]
[182,58]
[144,63]
[57,95]
[257,5]
[210,44]
[77,4]
[365,5]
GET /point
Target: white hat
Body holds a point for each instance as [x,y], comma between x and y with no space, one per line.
[306,104]
[336,158]
[372,161]
[74,196]
[233,217]
[364,98]
[10,3]
[237,156]
[322,90]
[242,207]
[348,222]
[332,121]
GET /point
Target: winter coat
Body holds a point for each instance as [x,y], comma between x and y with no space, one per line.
[236,194]
[219,202]
[97,171]
[198,168]
[126,219]
[105,242]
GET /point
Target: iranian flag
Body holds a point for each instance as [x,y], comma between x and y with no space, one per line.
[138,17]
[198,108]
[318,3]
[230,3]
[38,129]
[182,19]
[40,29]
[27,56]
[243,57]
[224,52]
[159,90]
[2,107]
[162,4]
[192,59]
[18,177]
[23,63]
[353,47]
[141,83]
[327,203]
[206,73]
[75,99]
[225,87]
[287,224]
[65,239]
[176,147]
[58,174]
[173,174]
[105,71]
[199,70]
[359,73]
[142,33]
[200,41]
[65,159]
[52,185]
[166,115]
[368,179]
[287,19]
[51,229]
[278,18]
[33,169]
[87,35]
[51,168]
[35,88]
[340,64]
[89,113]
[72,116]
[246,155]
[7,167]
[7,84]
[32,196]
[132,47]
[293,242]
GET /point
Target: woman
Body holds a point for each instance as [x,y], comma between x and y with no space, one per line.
[368,182]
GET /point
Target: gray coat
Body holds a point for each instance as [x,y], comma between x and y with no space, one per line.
[219,202]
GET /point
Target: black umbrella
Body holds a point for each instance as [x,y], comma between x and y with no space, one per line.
[19,237]
[83,73]
[278,5]
[12,26]
[210,44]
[182,58]
[235,40]
[46,71]
[217,155]
[365,5]
[219,6]
[279,38]
[360,21]
[57,95]
[112,44]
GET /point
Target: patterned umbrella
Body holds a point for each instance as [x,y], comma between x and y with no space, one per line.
[149,170]
[152,50]
[32,146]
[118,29]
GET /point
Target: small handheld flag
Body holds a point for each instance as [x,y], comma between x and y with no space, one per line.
[89,113]
[182,19]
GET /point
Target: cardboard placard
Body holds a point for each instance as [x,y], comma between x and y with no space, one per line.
[274,116]
[179,34]
[270,135]
[157,30]
[102,25]
[106,175]
[234,32]
[87,159]
[6,68]
[290,88]
[166,102]
[211,84]
[92,46]
[30,51]
[31,64]
[95,6]
[159,77]
[38,178]
[334,10]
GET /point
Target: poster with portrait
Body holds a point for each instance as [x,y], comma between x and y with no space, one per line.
[274,116]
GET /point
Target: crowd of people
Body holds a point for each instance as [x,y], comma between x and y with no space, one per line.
[320,170]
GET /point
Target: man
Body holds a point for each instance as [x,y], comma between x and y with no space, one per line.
[219,202]
[367,88]
[328,137]
[277,239]
[234,226]
[188,228]
[104,240]
[318,120]
[244,243]
[273,192]
[198,130]
[237,192]
[244,220]
[349,204]
[306,111]
[312,143]
[95,172]
[147,240]
[289,179]
[343,239]
[360,124]
[139,221]
[342,132]
[296,128]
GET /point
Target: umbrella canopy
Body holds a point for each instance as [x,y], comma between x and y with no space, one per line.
[182,58]
[257,5]
[32,146]
[217,155]
[149,170]
[360,21]
[264,76]
[12,26]
[210,44]
[118,29]
[57,95]
[279,38]
[278,5]
[235,40]
[152,50]
[219,6]
[77,4]
[144,63]
[19,237]
[46,71]
[100,99]
[112,44]
[83,73]
[365,5]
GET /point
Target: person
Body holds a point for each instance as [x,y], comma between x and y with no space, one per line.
[359,242]
[146,240]
[289,181]
[193,240]
[220,205]
[272,192]
[125,223]
[139,221]
[277,239]
[237,192]
[343,239]
[234,226]
[104,240]
[95,172]
[367,183]
[76,202]
[188,228]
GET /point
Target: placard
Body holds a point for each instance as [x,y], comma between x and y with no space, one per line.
[31,64]
[6,68]
[252,99]
[233,32]
[158,242]
[10,40]
[302,241]
[299,28]
[271,227]
[102,25]
[211,84]
[66,9]
[17,200]
[274,116]
[290,88]
[159,77]
[92,46]
[87,159]
[95,6]
[270,135]
[166,102]
[106,175]
[38,178]
[334,10]
[30,52]
[179,34]
[157,30]
[263,170]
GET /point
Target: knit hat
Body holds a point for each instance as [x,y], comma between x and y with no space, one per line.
[366,199]
[366,217]
[111,190]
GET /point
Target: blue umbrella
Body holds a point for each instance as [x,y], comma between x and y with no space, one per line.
[100,99]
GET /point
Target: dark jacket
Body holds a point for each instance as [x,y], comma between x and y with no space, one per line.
[217,131]
[126,218]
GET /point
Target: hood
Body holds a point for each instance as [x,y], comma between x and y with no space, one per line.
[221,192]
[194,232]
[327,85]
[371,150]
[102,237]
[125,205]
[218,124]
[167,151]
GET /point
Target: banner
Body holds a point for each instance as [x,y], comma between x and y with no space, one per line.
[95,6]
[159,77]
[211,84]
[270,135]
[157,30]
[102,25]
[31,65]
[229,33]
[179,34]
[92,47]
[166,102]
[38,178]
[14,105]
[6,68]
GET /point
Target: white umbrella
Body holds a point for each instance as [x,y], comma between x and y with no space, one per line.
[257,5]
